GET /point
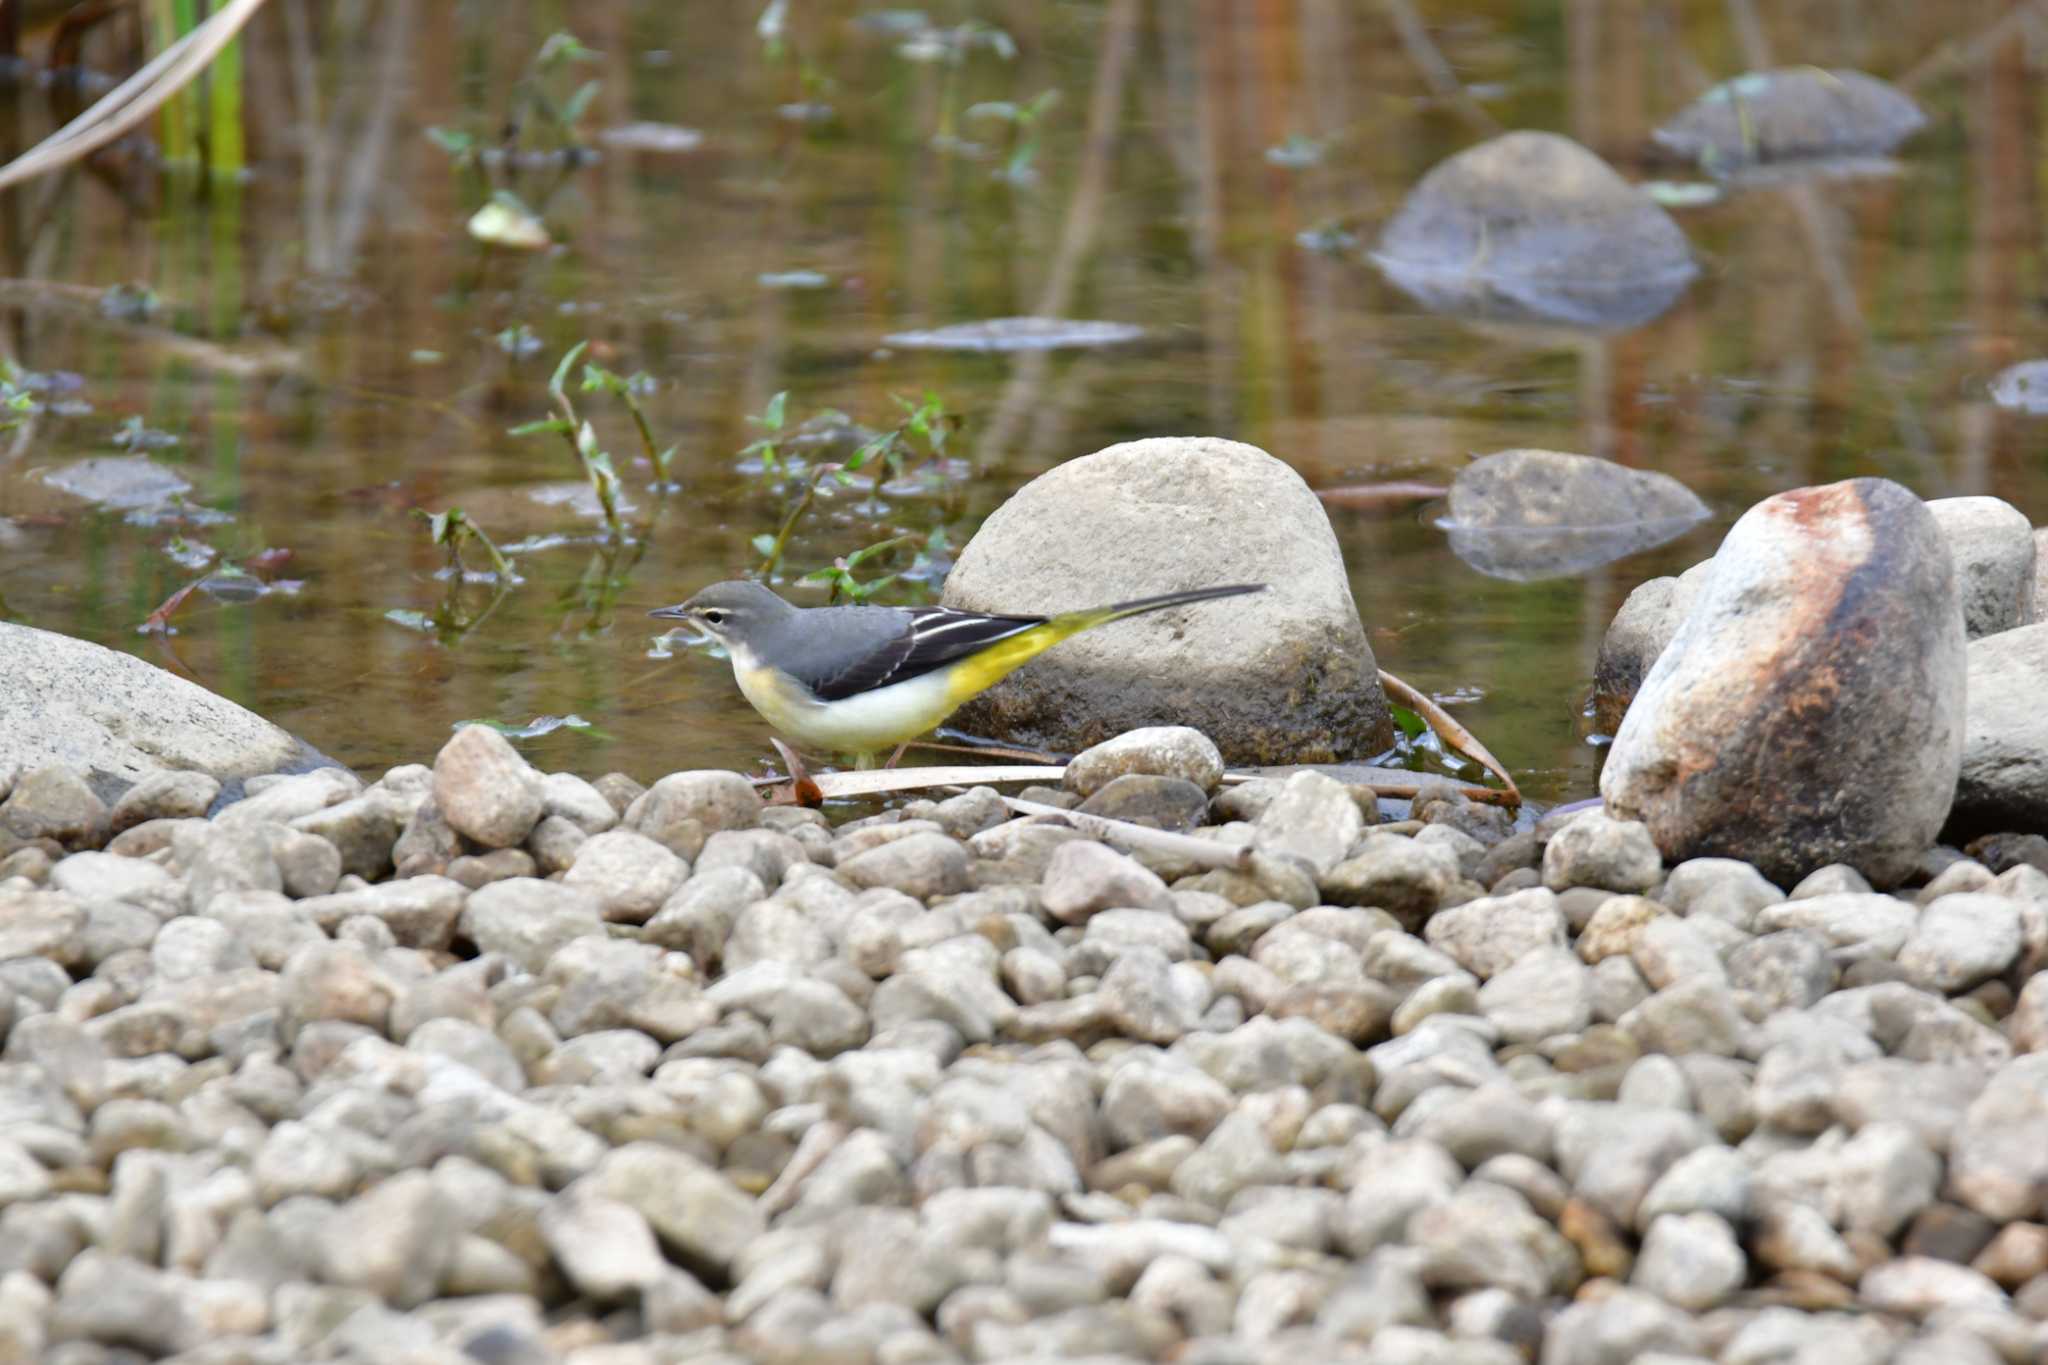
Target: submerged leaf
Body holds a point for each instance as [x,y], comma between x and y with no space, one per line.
[118,481]
[511,225]
[1017,334]
[535,728]
[2022,387]
[664,138]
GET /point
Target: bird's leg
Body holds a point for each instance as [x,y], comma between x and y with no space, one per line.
[897,755]
[801,788]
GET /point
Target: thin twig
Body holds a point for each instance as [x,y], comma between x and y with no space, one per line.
[1435,71]
[1452,733]
[1204,852]
[1388,494]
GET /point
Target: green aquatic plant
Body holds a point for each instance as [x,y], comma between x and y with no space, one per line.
[627,388]
[917,442]
[1025,132]
[452,530]
[839,574]
[542,113]
[591,458]
[771,419]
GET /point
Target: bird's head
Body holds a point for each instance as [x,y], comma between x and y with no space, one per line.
[730,613]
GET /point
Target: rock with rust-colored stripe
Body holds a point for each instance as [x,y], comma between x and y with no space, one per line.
[1810,710]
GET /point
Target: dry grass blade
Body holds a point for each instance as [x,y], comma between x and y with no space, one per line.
[135,99]
[1392,494]
[1206,852]
[1452,733]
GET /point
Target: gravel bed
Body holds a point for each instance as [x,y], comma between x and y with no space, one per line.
[474,1063]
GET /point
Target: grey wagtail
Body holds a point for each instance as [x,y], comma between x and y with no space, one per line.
[860,679]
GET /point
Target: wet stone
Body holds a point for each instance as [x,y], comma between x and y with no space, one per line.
[484,789]
[1598,851]
[1157,802]
[1160,751]
[168,795]
[53,803]
[1489,935]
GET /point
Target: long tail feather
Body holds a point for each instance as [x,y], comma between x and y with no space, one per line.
[1139,605]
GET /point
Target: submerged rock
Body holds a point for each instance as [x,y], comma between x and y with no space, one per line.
[1810,710]
[2022,387]
[1533,227]
[1788,114]
[1531,514]
[117,720]
[1281,676]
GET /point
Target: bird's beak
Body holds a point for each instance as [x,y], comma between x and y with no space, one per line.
[675,613]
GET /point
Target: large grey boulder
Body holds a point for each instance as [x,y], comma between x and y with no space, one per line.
[1810,710]
[117,719]
[1282,676]
[1992,546]
[2003,784]
[1533,227]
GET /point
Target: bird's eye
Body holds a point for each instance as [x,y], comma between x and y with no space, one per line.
[714,616]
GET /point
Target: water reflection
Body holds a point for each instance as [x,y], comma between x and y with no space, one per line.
[326,342]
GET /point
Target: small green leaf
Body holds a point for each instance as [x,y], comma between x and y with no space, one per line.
[771,416]
[454,141]
[863,591]
[551,426]
[559,384]
[879,547]
[869,450]
[561,48]
[579,102]
[1410,724]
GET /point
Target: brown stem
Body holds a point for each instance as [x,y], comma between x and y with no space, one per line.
[1452,733]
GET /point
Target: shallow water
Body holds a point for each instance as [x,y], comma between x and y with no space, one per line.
[331,349]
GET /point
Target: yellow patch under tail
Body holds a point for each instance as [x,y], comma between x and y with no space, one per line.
[979,672]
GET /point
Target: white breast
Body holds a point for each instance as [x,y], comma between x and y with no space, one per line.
[862,724]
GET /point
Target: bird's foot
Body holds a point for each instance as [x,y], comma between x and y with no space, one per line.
[802,786]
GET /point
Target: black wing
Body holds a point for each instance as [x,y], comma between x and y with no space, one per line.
[934,637]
